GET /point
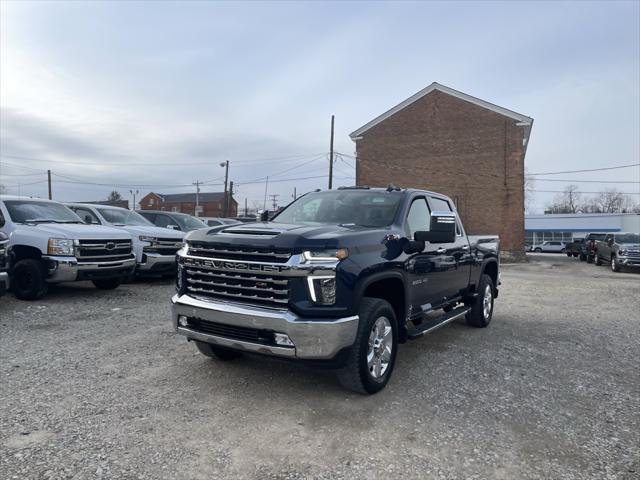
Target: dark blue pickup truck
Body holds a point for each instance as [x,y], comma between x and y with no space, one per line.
[338,278]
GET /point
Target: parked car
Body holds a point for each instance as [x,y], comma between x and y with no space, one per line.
[173,220]
[154,247]
[618,250]
[48,243]
[339,278]
[590,245]
[575,248]
[4,274]
[549,246]
[218,221]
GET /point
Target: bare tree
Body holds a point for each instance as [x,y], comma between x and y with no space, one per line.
[114,196]
[609,201]
[529,192]
[568,201]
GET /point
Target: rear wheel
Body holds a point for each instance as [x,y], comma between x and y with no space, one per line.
[213,351]
[28,279]
[615,266]
[538,250]
[482,311]
[373,354]
[107,283]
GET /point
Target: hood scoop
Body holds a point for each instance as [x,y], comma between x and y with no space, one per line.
[251,231]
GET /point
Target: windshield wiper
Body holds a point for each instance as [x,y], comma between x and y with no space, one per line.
[42,220]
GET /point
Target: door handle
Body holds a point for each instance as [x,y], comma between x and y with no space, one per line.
[465,247]
[441,250]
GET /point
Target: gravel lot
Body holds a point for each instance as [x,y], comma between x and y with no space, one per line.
[94,384]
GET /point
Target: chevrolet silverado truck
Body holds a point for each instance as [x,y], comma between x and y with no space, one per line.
[590,245]
[575,247]
[48,243]
[154,247]
[338,278]
[618,250]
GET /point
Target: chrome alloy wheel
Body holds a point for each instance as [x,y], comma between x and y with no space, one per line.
[487,302]
[613,264]
[380,347]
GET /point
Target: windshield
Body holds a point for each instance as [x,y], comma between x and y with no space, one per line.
[597,236]
[187,222]
[123,217]
[343,207]
[628,238]
[40,212]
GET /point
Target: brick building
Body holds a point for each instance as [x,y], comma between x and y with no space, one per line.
[211,204]
[450,142]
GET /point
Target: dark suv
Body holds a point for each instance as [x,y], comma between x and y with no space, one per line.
[173,220]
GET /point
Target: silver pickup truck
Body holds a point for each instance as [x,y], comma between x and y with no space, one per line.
[48,243]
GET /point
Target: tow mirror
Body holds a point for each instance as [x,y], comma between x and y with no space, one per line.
[264,216]
[442,229]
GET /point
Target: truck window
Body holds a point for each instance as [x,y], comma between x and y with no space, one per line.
[164,221]
[440,205]
[86,215]
[418,217]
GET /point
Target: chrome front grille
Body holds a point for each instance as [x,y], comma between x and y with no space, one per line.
[102,250]
[242,287]
[164,246]
[247,254]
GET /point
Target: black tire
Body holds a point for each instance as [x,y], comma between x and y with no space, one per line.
[583,257]
[569,254]
[597,259]
[589,258]
[357,375]
[615,266]
[213,351]
[575,255]
[478,316]
[538,250]
[28,280]
[108,283]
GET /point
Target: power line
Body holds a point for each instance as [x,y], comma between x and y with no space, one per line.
[588,170]
[583,181]
[580,191]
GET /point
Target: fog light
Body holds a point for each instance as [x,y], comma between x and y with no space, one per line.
[283,339]
[322,290]
[183,321]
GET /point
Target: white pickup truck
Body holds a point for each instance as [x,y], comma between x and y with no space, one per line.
[48,243]
[154,247]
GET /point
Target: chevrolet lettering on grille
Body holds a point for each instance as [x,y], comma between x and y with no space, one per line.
[227,265]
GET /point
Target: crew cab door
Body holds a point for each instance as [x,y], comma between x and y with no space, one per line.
[604,248]
[454,259]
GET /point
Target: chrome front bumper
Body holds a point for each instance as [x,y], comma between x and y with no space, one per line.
[629,261]
[156,261]
[68,269]
[312,338]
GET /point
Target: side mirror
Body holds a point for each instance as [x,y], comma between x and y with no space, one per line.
[442,229]
[264,216]
[173,227]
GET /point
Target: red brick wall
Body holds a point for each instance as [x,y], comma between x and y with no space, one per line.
[445,144]
[210,209]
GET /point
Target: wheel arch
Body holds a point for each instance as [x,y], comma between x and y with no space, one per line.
[490,267]
[388,286]
[22,252]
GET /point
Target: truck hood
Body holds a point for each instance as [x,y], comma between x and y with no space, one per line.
[283,235]
[151,231]
[77,231]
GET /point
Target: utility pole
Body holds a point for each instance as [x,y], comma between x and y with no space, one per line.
[246,213]
[197,184]
[331,155]
[266,187]
[230,198]
[294,193]
[49,182]
[274,200]
[225,164]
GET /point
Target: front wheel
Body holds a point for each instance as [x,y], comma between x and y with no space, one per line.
[538,250]
[107,283]
[28,280]
[373,354]
[615,266]
[597,259]
[482,311]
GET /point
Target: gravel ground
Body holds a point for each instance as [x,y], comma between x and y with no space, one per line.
[94,384]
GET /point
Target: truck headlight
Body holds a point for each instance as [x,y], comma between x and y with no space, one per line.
[322,289]
[60,246]
[622,252]
[145,238]
[320,256]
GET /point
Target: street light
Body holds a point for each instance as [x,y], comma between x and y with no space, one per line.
[134,197]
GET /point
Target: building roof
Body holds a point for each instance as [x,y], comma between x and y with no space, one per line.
[191,197]
[525,121]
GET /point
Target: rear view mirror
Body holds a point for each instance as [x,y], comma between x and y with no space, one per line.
[442,229]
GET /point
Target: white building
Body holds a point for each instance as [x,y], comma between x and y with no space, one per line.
[565,226]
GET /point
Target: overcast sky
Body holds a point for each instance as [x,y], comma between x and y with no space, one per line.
[158,94]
